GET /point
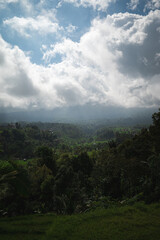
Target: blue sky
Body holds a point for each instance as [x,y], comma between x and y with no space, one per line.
[56,53]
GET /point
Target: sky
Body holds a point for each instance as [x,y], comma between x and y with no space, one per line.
[65,53]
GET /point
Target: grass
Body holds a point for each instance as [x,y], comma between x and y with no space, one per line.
[31,227]
[138,222]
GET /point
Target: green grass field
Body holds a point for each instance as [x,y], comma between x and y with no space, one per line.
[138,222]
[31,227]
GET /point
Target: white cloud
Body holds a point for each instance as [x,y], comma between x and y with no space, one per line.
[45,23]
[116,62]
[26,85]
[152,5]
[133,4]
[25,4]
[16,86]
[96,4]
[126,56]
[8,1]
[4,3]
[71,28]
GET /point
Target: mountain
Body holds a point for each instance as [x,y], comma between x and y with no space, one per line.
[86,113]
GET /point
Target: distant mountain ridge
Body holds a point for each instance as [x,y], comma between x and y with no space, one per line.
[84,113]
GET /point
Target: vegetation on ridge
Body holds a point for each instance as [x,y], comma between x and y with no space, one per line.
[40,172]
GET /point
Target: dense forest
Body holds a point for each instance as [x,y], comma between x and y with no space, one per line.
[67,168]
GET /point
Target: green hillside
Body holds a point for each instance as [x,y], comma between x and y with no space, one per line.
[138,222]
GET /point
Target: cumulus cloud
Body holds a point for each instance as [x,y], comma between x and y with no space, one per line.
[25,4]
[133,4]
[71,28]
[15,74]
[137,38]
[26,85]
[45,23]
[129,40]
[8,1]
[3,3]
[15,82]
[127,55]
[96,4]
[122,69]
[152,5]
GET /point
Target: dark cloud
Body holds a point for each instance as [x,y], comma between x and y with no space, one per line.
[21,86]
[139,60]
[69,94]
[133,89]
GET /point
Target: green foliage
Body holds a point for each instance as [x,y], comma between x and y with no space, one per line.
[82,163]
[14,187]
[45,157]
[63,168]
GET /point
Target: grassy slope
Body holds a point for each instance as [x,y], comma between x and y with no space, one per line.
[31,227]
[140,222]
[128,223]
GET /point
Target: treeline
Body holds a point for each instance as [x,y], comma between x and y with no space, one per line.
[20,140]
[64,182]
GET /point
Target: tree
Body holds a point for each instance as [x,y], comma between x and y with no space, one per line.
[82,163]
[45,157]
[14,187]
[155,131]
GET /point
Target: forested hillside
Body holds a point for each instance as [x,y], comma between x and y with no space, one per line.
[66,168]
